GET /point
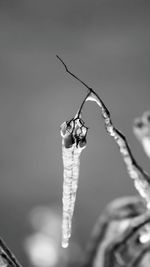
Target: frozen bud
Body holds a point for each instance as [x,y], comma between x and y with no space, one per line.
[69,141]
[82,142]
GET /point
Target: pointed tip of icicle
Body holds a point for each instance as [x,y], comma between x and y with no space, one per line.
[64,244]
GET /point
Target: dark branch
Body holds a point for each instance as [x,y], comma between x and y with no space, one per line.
[73,75]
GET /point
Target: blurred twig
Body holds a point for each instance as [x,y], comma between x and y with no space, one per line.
[7,258]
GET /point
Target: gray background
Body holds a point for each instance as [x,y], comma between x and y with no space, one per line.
[106,43]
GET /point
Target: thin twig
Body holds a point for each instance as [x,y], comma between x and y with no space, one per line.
[140,177]
[80,109]
[78,79]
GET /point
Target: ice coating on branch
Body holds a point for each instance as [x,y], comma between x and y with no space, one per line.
[140,177]
[73,142]
[93,97]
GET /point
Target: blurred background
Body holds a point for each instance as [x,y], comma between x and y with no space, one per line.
[104,42]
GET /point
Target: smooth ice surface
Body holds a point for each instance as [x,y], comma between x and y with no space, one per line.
[71,162]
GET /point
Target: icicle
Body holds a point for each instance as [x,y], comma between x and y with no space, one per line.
[73,142]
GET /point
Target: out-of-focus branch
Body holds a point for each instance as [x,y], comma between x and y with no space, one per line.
[141,129]
[117,239]
[7,258]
